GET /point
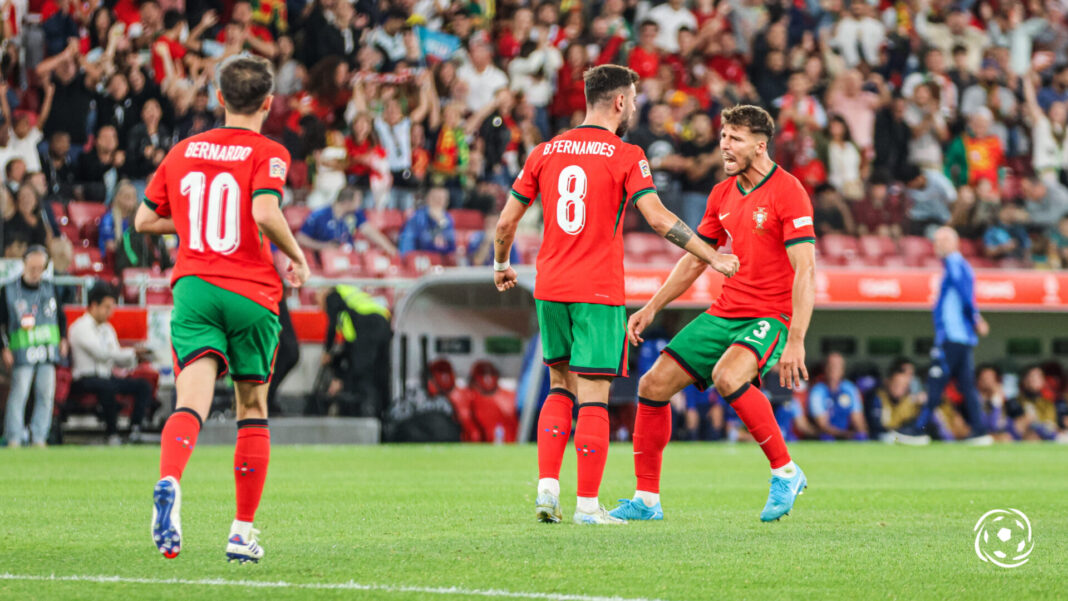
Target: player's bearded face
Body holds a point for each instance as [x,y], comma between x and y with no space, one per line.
[628,111]
[739,148]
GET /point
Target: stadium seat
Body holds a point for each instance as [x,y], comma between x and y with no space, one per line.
[295,216]
[86,261]
[60,212]
[86,217]
[982,263]
[378,264]
[420,262]
[640,245]
[72,233]
[839,245]
[340,263]
[876,247]
[390,221]
[916,247]
[970,248]
[467,219]
[528,245]
[893,262]
[298,175]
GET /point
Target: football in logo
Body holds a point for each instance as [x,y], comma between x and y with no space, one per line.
[1003,538]
[278,168]
[644,164]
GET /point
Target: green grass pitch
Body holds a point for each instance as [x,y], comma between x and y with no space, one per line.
[877,522]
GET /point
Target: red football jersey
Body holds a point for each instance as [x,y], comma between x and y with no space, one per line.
[586,177]
[206,184]
[759,225]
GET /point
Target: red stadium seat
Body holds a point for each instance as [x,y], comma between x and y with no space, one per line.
[982,263]
[877,247]
[60,212]
[72,233]
[86,261]
[970,248]
[420,262]
[467,219]
[893,262]
[528,245]
[295,216]
[839,245]
[640,244]
[340,263]
[389,221]
[378,264]
[916,247]
[86,217]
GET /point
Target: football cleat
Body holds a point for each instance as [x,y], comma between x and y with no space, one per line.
[637,510]
[601,516]
[781,496]
[166,523]
[240,550]
[909,438]
[984,440]
[547,508]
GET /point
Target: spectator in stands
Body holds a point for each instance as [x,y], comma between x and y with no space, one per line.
[388,38]
[1059,241]
[843,160]
[929,130]
[1049,132]
[895,406]
[58,167]
[930,194]
[1037,413]
[97,172]
[430,228]
[148,141]
[859,35]
[480,244]
[115,224]
[23,136]
[988,93]
[28,226]
[570,98]
[532,73]
[116,106]
[940,86]
[662,150]
[14,174]
[893,141]
[482,77]
[336,225]
[96,354]
[830,213]
[849,98]
[671,16]
[451,165]
[703,161]
[835,404]
[34,340]
[645,57]
[961,74]
[1047,201]
[976,154]
[69,86]
[882,211]
[500,139]
[995,405]
[366,158]
[1006,238]
[1057,90]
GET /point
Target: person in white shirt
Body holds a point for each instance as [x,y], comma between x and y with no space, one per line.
[95,353]
[482,77]
[21,138]
[671,17]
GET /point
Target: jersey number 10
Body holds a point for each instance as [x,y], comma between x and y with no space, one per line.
[571,206]
[223,233]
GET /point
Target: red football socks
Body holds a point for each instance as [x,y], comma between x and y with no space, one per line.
[177,442]
[754,409]
[251,455]
[652,432]
[554,429]
[591,445]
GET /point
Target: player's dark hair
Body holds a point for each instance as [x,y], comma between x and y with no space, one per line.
[747,115]
[172,18]
[604,82]
[245,81]
[101,291]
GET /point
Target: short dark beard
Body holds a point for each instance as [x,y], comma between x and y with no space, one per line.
[624,125]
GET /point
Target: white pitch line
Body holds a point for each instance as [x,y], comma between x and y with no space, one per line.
[338,586]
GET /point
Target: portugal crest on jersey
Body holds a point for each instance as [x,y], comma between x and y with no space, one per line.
[759,217]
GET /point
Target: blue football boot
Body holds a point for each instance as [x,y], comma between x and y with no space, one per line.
[782,495]
[637,510]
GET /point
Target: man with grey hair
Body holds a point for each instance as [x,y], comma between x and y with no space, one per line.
[33,335]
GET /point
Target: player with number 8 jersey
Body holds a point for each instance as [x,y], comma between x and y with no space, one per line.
[220,191]
[586,177]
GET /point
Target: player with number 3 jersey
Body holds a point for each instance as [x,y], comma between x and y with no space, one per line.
[220,192]
[586,177]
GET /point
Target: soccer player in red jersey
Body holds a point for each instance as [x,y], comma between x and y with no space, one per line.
[220,191]
[586,177]
[761,316]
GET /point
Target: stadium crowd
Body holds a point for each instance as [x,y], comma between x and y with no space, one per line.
[897,116]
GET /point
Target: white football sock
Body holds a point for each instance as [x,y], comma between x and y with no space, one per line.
[550,486]
[649,498]
[787,471]
[587,504]
[242,528]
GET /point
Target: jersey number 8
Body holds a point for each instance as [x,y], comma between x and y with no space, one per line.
[571,206]
[223,233]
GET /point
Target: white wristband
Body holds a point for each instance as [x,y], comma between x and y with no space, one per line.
[501,266]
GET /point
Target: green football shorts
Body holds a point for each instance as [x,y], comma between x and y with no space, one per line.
[698,347]
[209,320]
[591,338]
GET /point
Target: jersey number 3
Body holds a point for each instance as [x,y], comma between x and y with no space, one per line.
[571,206]
[223,232]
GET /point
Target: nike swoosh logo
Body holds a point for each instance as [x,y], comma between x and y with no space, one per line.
[765,440]
[637,452]
[724,216]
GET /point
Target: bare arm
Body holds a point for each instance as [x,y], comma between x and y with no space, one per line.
[381,240]
[266,49]
[502,242]
[147,221]
[308,242]
[824,423]
[792,364]
[268,216]
[668,225]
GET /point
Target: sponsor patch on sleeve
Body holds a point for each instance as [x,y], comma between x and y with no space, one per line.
[802,221]
[278,168]
[644,164]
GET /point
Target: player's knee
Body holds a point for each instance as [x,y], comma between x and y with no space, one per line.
[653,386]
[726,382]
